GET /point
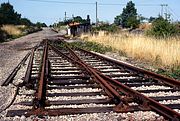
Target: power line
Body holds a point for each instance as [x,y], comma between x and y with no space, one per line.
[91,3]
[113,4]
[177,16]
[48,1]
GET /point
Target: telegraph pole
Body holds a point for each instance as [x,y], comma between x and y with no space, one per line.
[166,14]
[65,16]
[162,10]
[96,14]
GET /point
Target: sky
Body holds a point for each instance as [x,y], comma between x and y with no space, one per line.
[54,10]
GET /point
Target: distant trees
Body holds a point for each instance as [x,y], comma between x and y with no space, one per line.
[3,36]
[77,19]
[39,24]
[8,15]
[25,21]
[129,17]
[105,26]
[162,28]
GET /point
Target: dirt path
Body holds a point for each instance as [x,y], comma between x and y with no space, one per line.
[11,53]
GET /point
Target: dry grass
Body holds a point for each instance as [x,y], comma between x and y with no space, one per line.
[158,51]
[12,30]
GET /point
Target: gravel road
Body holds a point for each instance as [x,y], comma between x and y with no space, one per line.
[12,52]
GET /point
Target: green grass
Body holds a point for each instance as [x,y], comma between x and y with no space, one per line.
[173,73]
[91,46]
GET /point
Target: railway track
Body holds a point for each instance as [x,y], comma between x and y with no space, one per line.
[63,81]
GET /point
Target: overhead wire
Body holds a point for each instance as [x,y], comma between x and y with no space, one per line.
[173,13]
[90,3]
[53,1]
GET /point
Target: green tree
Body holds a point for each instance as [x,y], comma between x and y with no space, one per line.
[3,35]
[117,20]
[128,18]
[151,19]
[79,19]
[25,21]
[39,24]
[8,15]
[162,28]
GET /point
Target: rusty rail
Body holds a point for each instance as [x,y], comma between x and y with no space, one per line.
[13,73]
[108,89]
[27,77]
[119,93]
[145,101]
[40,101]
[167,80]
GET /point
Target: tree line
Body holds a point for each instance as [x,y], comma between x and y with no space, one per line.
[9,16]
[161,27]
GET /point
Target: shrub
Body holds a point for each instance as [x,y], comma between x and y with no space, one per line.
[162,28]
[3,36]
[91,46]
[106,27]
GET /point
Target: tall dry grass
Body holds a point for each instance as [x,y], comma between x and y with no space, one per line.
[159,51]
[12,29]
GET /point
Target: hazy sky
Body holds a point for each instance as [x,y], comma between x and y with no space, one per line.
[50,12]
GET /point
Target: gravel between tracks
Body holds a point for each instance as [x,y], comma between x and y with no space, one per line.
[11,54]
[94,116]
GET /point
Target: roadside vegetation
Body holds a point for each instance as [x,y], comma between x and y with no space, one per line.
[154,41]
[12,25]
[91,46]
[157,44]
[162,53]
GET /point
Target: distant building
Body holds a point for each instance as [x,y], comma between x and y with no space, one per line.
[77,28]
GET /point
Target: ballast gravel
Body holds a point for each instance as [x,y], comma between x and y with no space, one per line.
[12,52]
[162,94]
[80,106]
[170,101]
[6,96]
[111,116]
[76,97]
[152,87]
[74,90]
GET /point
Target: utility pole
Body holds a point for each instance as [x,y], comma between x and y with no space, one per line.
[162,10]
[65,16]
[96,14]
[166,14]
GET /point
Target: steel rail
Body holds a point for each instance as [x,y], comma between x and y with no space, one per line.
[166,80]
[27,77]
[40,101]
[14,72]
[146,101]
[108,89]
[42,81]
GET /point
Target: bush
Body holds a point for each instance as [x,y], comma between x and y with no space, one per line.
[162,28]
[106,27]
[3,36]
[91,46]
